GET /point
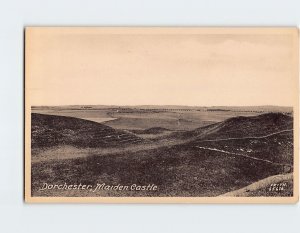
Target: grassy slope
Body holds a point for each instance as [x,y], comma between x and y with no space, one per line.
[276,148]
[50,131]
[180,170]
[252,126]
[239,127]
[177,171]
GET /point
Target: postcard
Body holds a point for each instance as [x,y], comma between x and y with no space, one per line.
[161,115]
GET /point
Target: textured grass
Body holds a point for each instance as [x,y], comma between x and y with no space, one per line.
[177,170]
[49,131]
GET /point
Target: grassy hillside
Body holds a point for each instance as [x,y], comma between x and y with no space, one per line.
[252,126]
[177,171]
[255,148]
[277,148]
[51,131]
[238,127]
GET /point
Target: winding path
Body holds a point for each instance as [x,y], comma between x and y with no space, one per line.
[252,137]
[243,155]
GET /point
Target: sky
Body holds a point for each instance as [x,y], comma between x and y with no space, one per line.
[94,66]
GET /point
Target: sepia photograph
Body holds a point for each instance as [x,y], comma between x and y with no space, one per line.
[161,115]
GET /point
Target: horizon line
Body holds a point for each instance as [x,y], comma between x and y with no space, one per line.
[161,105]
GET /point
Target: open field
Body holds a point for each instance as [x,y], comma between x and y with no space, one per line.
[177,171]
[236,149]
[145,117]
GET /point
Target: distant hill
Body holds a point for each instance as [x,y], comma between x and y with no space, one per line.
[264,108]
[50,130]
[153,130]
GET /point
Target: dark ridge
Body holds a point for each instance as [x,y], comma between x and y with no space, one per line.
[153,130]
[240,126]
[253,126]
[275,117]
[51,130]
